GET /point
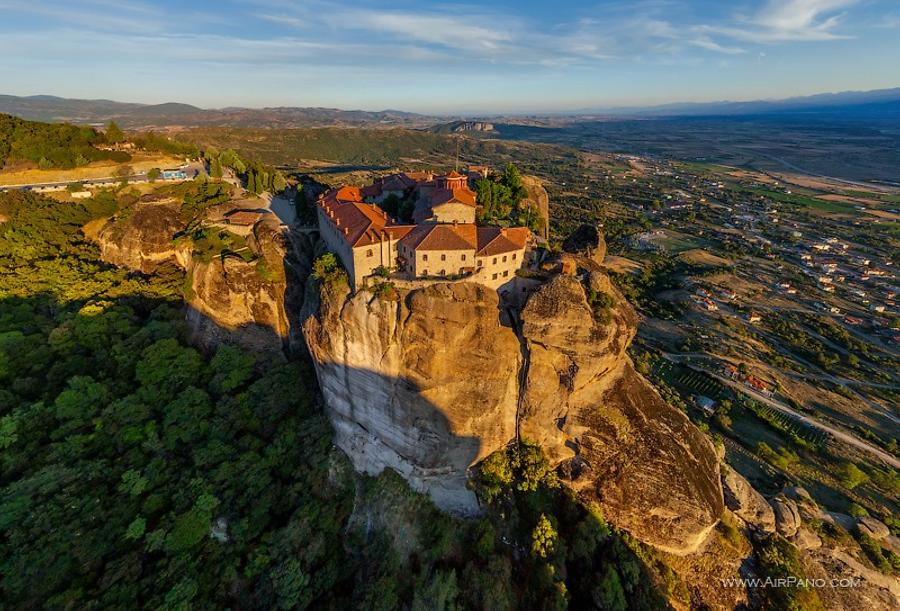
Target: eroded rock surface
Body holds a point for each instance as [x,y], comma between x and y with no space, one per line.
[428,385]
[231,300]
[746,503]
[425,384]
[141,237]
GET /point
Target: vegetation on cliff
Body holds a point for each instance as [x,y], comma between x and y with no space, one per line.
[134,467]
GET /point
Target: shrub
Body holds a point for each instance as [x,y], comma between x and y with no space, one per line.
[326,268]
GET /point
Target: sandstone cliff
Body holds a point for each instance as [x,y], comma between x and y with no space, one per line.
[231,300]
[429,384]
[425,385]
[239,301]
[140,237]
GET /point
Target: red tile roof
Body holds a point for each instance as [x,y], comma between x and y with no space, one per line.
[455,196]
[498,240]
[361,224]
[442,237]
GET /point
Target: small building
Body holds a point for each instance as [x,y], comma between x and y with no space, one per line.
[754,317]
[174,174]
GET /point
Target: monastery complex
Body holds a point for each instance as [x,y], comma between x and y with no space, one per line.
[443,242]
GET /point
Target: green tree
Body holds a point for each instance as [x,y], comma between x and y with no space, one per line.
[154,174]
[215,168]
[114,134]
[852,476]
[543,537]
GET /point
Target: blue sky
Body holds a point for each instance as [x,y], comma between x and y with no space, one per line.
[496,57]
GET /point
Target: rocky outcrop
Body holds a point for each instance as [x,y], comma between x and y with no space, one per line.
[230,299]
[587,241]
[429,383]
[876,529]
[141,236]
[536,197]
[787,516]
[425,384]
[746,503]
[240,301]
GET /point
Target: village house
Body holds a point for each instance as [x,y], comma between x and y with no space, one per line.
[444,242]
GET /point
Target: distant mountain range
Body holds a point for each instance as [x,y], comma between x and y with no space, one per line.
[130,115]
[850,105]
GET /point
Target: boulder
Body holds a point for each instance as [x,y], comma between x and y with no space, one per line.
[787,516]
[806,539]
[873,528]
[746,503]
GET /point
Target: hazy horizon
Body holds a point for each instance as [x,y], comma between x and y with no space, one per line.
[447,59]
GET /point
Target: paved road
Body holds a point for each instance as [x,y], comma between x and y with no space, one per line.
[191,169]
[781,407]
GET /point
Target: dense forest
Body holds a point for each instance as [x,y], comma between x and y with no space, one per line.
[64,146]
[52,145]
[139,471]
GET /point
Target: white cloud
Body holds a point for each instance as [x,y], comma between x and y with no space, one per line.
[788,21]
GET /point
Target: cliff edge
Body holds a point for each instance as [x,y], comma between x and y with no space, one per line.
[430,381]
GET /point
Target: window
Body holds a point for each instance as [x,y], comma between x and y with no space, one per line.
[369,253]
[443,257]
[480,262]
[514,256]
[443,272]
[494,277]
[463,257]
[495,260]
[424,272]
[504,258]
[424,257]
[506,273]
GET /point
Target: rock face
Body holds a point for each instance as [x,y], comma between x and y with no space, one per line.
[242,302]
[425,385]
[142,237]
[787,516]
[429,384]
[587,240]
[230,300]
[746,502]
[873,528]
[536,196]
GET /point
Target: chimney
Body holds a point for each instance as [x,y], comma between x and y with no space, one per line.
[337,222]
[346,231]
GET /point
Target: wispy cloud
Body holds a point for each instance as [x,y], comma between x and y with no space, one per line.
[788,21]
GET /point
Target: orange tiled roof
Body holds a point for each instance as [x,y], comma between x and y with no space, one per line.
[397,182]
[498,240]
[461,236]
[361,224]
[453,196]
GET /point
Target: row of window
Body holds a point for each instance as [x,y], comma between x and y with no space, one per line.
[463,258]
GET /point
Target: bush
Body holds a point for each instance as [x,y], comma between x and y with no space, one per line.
[326,268]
